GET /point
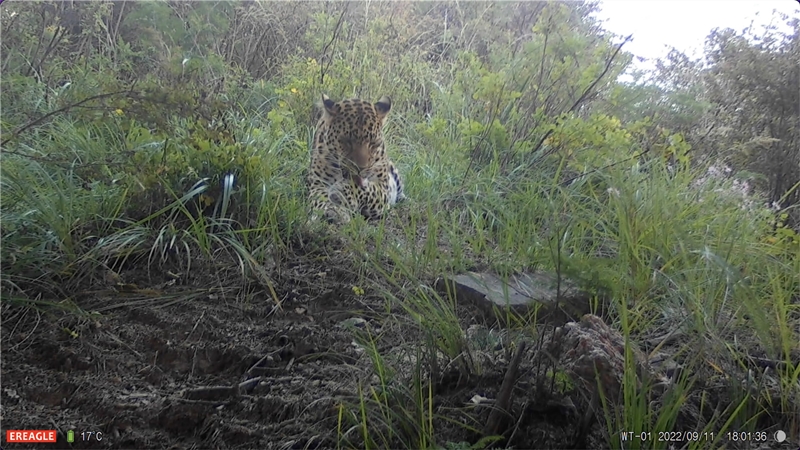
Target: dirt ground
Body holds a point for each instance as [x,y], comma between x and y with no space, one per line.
[212,363]
[160,359]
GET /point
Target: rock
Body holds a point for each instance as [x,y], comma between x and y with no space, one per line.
[522,293]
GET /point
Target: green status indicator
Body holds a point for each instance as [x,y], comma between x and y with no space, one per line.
[70,436]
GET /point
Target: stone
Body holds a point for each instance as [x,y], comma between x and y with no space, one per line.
[522,293]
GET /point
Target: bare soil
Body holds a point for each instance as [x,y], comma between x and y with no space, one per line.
[207,358]
[211,362]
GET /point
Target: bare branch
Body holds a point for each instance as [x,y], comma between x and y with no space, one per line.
[323,67]
[38,121]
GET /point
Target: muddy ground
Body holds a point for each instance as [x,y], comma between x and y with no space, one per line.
[161,359]
[165,363]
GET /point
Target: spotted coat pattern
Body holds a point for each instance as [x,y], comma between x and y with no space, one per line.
[350,171]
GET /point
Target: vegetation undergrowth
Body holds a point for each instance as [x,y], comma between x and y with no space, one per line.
[520,152]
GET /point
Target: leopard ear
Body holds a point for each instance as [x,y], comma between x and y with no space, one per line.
[329,105]
[383,106]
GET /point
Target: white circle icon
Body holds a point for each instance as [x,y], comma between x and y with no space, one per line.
[780,435]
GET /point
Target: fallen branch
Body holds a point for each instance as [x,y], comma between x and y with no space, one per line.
[503,403]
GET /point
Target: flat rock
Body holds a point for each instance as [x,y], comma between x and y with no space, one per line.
[522,293]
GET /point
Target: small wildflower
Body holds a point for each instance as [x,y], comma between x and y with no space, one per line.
[358,291]
[206,200]
[293,90]
[72,334]
[119,112]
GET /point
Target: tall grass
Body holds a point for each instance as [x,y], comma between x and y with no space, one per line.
[666,250]
[671,252]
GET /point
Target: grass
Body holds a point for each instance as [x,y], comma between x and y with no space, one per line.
[666,252]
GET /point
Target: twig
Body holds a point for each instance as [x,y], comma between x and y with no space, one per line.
[519,420]
[258,363]
[35,122]
[607,166]
[212,393]
[323,67]
[502,404]
[196,324]
[248,385]
[588,90]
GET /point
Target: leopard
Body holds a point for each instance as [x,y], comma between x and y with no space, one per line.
[351,172]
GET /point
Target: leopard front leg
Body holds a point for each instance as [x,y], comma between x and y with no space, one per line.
[331,202]
[344,199]
[373,200]
[381,188]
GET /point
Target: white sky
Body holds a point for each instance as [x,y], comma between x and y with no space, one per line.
[683,24]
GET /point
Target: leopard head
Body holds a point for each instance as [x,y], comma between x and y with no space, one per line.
[355,127]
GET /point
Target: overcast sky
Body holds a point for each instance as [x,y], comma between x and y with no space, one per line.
[683,24]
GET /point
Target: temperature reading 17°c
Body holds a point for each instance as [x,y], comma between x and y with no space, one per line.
[91,436]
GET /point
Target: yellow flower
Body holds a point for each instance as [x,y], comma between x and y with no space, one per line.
[358,291]
[119,112]
[206,200]
[294,90]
